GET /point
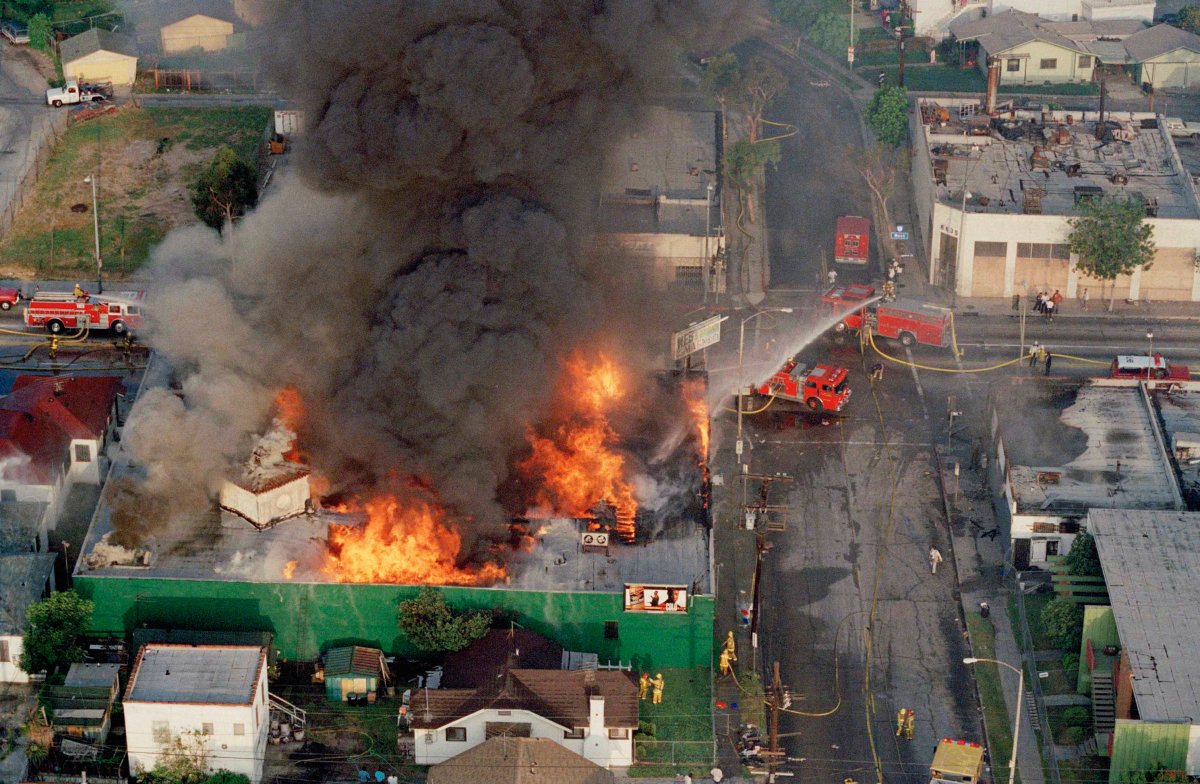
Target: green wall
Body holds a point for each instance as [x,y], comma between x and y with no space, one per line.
[1099,626]
[307,618]
[1143,746]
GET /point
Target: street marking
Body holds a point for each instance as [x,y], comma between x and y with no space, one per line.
[917,380]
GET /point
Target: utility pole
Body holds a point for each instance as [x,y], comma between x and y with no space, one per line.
[904,12]
[781,699]
[757,516]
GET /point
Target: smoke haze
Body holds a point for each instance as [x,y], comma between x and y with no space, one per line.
[419,280]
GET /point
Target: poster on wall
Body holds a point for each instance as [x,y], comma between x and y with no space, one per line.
[656,598]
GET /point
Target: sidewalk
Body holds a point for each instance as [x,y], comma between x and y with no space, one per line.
[1072,309]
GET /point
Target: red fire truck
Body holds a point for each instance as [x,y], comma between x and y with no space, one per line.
[905,320]
[59,311]
[1149,367]
[821,388]
[852,243]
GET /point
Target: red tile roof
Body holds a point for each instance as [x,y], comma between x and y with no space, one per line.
[43,414]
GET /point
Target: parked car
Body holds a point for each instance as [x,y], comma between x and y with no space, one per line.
[9,297]
[15,32]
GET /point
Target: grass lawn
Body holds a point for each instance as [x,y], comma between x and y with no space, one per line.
[991,693]
[146,160]
[1052,89]
[930,77]
[1059,681]
[1033,612]
[1084,770]
[683,722]
[352,729]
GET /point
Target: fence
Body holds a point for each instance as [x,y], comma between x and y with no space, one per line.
[196,79]
[14,190]
[675,752]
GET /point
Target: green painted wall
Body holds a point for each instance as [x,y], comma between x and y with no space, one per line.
[1143,746]
[1099,626]
[307,618]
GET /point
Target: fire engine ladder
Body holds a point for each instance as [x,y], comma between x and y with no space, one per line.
[286,712]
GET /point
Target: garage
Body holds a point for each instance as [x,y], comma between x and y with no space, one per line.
[100,56]
[1165,57]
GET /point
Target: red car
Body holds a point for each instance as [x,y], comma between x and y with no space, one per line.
[9,297]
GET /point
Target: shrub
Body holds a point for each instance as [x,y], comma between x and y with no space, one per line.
[1073,736]
[1070,663]
[1063,622]
[1077,716]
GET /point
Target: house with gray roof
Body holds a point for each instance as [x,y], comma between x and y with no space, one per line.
[1030,50]
[1165,56]
[25,578]
[100,56]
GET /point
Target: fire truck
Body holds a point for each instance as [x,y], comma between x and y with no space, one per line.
[59,311]
[956,762]
[905,320]
[852,243]
[821,388]
[1148,367]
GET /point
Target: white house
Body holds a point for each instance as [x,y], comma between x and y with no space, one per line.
[593,714]
[210,698]
[25,578]
[1165,56]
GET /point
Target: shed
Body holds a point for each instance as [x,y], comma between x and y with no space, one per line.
[100,56]
[354,670]
[83,703]
[1165,56]
[186,25]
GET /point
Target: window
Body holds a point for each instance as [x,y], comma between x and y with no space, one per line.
[689,275]
[1013,65]
[458,734]
[206,728]
[1043,250]
[8,495]
[239,729]
[161,730]
[1051,547]
[620,734]
[83,453]
[1085,61]
[4,654]
[1048,63]
[574,734]
[611,630]
[994,249]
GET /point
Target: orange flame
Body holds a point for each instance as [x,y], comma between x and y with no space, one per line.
[693,395]
[289,570]
[406,543]
[289,410]
[577,467]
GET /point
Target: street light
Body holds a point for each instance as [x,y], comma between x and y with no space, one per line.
[1012,763]
[1150,337]
[741,366]
[91,178]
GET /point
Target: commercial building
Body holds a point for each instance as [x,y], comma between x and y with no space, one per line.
[995,196]
[210,699]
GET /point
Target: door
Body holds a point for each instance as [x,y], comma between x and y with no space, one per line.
[1020,553]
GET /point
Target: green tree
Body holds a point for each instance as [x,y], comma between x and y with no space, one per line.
[722,75]
[798,13]
[432,626]
[1112,238]
[744,159]
[25,10]
[224,190]
[54,625]
[949,52]
[41,33]
[1083,560]
[1063,622]
[887,115]
[831,32]
[1189,18]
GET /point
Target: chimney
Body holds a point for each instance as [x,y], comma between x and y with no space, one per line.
[596,716]
[993,85]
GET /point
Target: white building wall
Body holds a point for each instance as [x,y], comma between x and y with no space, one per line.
[85,471]
[1054,10]
[432,747]
[223,747]
[10,672]
[1029,58]
[1101,10]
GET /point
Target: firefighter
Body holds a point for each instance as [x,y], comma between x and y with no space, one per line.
[643,685]
[79,292]
[889,290]
[54,347]
[659,683]
[909,721]
[724,662]
[731,646]
[900,717]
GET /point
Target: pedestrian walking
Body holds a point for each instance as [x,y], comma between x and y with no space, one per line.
[832,277]
[1086,296]
[909,721]
[1048,309]
[935,558]
[900,716]
[1049,358]
[1035,353]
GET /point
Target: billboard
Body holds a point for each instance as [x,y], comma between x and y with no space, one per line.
[656,598]
[700,335]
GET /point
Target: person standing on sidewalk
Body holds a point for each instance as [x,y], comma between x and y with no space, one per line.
[1056,298]
[1048,309]
[1086,296]
[1035,353]
[935,558]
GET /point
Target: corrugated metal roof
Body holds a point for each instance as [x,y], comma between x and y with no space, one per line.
[1151,561]
[353,660]
[1142,746]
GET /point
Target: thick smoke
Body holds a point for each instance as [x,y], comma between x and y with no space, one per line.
[421,277]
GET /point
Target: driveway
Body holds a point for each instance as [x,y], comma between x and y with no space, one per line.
[26,123]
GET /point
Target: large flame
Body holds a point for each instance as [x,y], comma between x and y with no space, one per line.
[577,467]
[290,413]
[403,542]
[693,395]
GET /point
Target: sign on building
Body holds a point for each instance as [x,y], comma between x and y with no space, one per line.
[656,598]
[698,336]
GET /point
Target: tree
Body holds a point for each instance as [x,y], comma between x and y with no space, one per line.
[878,167]
[1063,622]
[431,625]
[799,13]
[25,10]
[831,32]
[1083,560]
[1189,18]
[41,32]
[1112,238]
[224,190]
[722,74]
[760,83]
[744,159]
[54,625]
[887,115]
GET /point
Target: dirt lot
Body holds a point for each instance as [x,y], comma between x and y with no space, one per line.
[146,160]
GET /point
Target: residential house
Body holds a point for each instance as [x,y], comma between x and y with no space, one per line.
[1165,56]
[507,760]
[354,671]
[210,698]
[82,706]
[1029,50]
[594,714]
[100,56]
[1071,10]
[25,578]
[1139,653]
[195,25]
[53,433]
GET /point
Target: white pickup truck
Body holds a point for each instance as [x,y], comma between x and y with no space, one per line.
[73,92]
[1181,129]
